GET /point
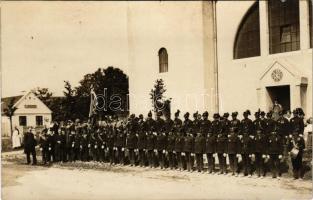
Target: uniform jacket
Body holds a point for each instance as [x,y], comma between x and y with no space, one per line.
[142,139]
[247,126]
[297,123]
[171,143]
[216,127]
[261,143]
[189,143]
[275,144]
[110,139]
[283,127]
[161,142]
[120,139]
[246,144]
[235,123]
[179,143]
[199,144]
[210,144]
[131,141]
[150,145]
[205,125]
[178,122]
[233,144]
[221,143]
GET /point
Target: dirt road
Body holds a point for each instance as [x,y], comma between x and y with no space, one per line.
[101,181]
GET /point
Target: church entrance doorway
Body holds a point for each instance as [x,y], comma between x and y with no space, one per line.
[281,94]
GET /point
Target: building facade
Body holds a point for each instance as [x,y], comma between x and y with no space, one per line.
[30,112]
[264,54]
[173,41]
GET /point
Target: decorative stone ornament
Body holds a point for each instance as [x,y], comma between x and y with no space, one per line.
[277,75]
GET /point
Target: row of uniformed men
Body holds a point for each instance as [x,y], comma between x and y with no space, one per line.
[145,143]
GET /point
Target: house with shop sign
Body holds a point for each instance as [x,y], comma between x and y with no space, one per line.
[30,112]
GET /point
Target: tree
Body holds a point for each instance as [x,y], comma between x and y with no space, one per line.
[114,81]
[9,112]
[159,102]
[43,94]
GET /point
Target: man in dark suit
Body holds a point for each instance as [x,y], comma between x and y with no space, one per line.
[29,146]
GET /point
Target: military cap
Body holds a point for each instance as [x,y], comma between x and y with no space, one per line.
[186,114]
[195,114]
[226,115]
[177,113]
[262,113]
[247,112]
[234,114]
[205,114]
[269,114]
[150,114]
[216,115]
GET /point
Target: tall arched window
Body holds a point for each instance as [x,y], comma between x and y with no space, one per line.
[310,21]
[247,43]
[163,60]
[283,18]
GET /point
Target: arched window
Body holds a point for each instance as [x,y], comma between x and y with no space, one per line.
[310,20]
[247,43]
[163,60]
[283,19]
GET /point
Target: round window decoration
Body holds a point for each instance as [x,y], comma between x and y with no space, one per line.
[277,75]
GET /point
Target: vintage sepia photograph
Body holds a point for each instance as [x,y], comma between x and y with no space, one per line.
[171,100]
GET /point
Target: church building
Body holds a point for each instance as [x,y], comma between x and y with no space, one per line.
[221,56]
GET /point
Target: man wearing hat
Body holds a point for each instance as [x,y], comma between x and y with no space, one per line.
[149,123]
[235,123]
[177,122]
[187,124]
[210,149]
[296,123]
[170,147]
[221,143]
[159,122]
[161,143]
[246,123]
[296,147]
[233,149]
[29,146]
[168,124]
[258,124]
[150,146]
[275,151]
[205,124]
[269,124]
[216,124]
[260,152]
[195,124]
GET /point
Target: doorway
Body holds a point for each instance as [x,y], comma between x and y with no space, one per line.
[281,94]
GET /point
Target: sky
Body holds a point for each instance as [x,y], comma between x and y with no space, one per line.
[45,43]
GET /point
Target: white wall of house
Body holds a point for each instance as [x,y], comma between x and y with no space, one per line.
[28,106]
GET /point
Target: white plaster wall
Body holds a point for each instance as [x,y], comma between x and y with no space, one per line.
[239,79]
[178,27]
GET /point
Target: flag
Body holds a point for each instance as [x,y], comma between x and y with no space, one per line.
[93,103]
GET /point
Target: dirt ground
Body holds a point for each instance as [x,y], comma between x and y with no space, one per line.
[102,181]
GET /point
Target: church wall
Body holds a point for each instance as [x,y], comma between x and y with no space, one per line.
[240,80]
[178,27]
